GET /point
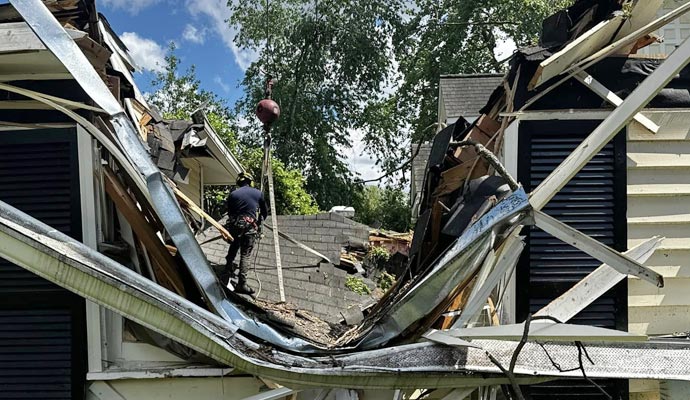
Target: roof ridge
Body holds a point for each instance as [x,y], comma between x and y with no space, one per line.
[485,75]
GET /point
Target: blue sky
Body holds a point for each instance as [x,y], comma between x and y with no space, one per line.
[198,29]
[203,39]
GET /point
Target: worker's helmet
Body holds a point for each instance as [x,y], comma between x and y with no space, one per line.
[244,178]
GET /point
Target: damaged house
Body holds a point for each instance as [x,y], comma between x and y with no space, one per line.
[547,261]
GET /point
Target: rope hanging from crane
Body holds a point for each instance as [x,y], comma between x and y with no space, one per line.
[268,112]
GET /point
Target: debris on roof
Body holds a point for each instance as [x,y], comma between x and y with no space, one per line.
[455,265]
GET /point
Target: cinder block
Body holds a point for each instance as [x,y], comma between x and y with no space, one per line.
[325,239]
[310,289]
[306,261]
[323,290]
[338,281]
[324,310]
[289,258]
[323,231]
[300,275]
[336,217]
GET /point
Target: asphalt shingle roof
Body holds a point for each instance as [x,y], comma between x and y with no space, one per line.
[465,95]
[310,284]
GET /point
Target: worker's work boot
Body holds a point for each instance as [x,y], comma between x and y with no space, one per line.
[242,287]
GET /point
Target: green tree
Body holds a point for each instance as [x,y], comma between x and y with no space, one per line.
[458,37]
[178,94]
[291,198]
[388,206]
[332,60]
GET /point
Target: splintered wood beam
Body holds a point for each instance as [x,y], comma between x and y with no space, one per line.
[594,285]
[613,124]
[601,91]
[595,249]
[162,260]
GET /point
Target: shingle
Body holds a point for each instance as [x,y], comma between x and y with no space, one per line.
[465,95]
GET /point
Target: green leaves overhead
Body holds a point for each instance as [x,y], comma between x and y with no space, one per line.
[459,37]
[178,94]
[371,66]
[331,60]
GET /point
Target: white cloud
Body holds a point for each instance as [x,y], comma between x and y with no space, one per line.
[219,81]
[217,12]
[148,54]
[194,35]
[131,6]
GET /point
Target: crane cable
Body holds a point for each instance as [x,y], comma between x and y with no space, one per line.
[267,175]
[268,112]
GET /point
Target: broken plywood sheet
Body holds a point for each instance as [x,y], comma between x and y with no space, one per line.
[579,49]
[643,12]
[482,133]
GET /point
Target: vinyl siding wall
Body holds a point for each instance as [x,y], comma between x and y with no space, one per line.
[659,204]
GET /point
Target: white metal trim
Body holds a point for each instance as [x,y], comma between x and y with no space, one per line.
[158,373]
[94,339]
[595,249]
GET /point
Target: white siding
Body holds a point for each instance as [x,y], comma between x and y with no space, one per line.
[659,204]
[673,33]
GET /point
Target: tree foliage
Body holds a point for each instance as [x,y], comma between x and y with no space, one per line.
[458,37]
[370,66]
[178,94]
[389,207]
[332,59]
[291,198]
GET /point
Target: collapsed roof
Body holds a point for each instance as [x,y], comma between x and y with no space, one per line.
[467,236]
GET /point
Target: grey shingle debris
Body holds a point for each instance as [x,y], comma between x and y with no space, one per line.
[465,95]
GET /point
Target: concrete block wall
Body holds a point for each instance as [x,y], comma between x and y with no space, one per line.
[310,284]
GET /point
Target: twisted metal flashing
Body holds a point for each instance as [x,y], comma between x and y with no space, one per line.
[69,263]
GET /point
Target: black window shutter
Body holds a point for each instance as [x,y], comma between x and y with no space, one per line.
[594,202]
[42,326]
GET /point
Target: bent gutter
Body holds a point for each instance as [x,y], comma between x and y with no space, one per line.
[54,37]
[64,261]
[71,264]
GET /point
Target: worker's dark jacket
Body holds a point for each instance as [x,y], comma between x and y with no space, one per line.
[243,224]
[244,201]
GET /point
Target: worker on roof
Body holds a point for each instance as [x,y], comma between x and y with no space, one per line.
[244,224]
